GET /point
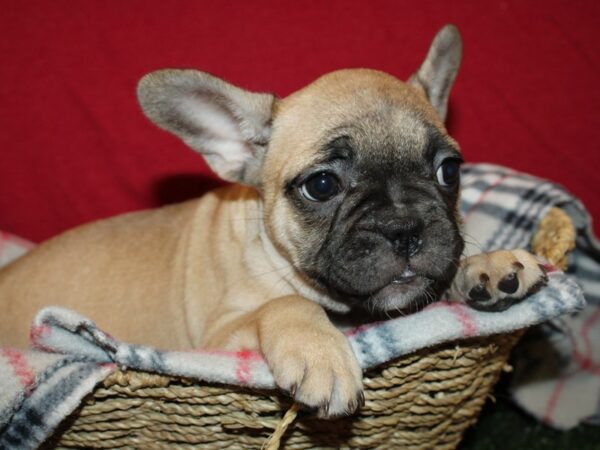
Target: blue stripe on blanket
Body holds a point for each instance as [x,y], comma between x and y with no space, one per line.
[37,417]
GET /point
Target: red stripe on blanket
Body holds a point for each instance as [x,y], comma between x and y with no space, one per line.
[583,360]
[361,328]
[461,312]
[39,332]
[484,194]
[586,364]
[550,268]
[19,366]
[469,327]
[111,366]
[585,330]
[256,356]
[243,359]
[553,400]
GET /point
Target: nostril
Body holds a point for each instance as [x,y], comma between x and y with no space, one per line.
[414,245]
[409,245]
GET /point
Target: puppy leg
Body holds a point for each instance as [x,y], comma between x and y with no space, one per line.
[307,355]
[496,280]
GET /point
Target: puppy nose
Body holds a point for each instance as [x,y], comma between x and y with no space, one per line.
[405,234]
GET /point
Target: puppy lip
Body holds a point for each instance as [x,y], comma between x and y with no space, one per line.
[395,296]
[408,276]
[401,285]
[403,282]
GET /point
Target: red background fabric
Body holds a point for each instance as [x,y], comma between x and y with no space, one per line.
[74,145]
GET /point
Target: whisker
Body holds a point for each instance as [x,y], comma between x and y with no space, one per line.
[280,280]
[256,275]
[246,219]
[474,241]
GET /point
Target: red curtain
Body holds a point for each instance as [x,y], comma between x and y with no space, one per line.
[74,145]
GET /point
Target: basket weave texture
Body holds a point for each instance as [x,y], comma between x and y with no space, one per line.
[425,400]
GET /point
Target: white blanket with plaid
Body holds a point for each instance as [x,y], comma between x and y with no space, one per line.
[69,355]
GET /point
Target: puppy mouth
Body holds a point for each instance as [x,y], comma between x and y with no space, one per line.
[404,292]
[406,277]
[399,291]
[408,281]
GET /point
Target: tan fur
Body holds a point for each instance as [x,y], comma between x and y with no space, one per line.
[222,271]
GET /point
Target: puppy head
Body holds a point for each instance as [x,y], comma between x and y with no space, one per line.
[358,175]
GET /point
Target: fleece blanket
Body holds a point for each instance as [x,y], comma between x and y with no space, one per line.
[70,355]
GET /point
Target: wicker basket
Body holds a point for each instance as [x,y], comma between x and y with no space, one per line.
[425,400]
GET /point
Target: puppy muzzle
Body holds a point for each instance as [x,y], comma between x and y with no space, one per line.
[390,265]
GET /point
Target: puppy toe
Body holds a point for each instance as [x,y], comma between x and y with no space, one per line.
[289,376]
[316,388]
[347,395]
[479,293]
[532,275]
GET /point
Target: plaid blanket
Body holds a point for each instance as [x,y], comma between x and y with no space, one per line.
[70,355]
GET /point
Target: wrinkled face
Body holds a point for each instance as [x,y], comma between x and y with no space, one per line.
[364,200]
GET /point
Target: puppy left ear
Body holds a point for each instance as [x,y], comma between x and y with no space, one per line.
[230,127]
[436,75]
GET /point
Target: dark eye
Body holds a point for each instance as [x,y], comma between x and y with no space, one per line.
[449,172]
[320,187]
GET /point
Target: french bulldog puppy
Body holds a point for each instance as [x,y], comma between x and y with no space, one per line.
[345,200]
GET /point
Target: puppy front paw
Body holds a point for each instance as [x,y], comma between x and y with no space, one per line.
[317,367]
[496,280]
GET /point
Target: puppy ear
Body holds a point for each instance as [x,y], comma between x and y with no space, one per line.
[437,73]
[228,126]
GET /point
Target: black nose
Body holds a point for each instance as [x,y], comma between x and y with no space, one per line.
[405,234]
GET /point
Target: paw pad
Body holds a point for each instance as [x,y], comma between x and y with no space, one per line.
[496,280]
[479,293]
[509,284]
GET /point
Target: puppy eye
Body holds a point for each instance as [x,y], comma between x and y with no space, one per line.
[320,187]
[448,173]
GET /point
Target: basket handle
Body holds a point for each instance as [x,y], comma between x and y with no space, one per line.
[555,237]
[274,440]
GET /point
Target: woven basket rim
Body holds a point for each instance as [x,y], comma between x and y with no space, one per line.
[123,377]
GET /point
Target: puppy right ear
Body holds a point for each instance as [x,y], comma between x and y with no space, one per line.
[229,126]
[436,75]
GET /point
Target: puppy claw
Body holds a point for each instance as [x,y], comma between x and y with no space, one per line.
[361,398]
[293,389]
[323,410]
[496,280]
[352,406]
